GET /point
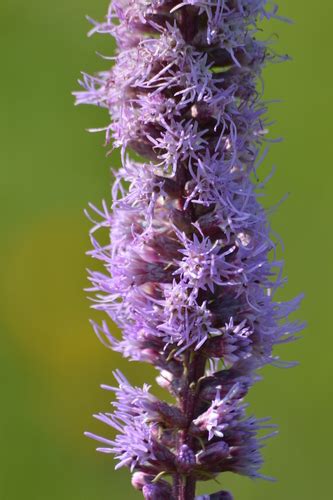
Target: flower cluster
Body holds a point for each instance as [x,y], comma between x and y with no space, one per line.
[190,267]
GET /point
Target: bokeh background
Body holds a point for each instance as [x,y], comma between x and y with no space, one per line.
[51,364]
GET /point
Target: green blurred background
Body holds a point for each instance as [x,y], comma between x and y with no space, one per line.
[51,364]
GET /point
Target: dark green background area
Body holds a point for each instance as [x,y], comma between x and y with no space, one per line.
[50,362]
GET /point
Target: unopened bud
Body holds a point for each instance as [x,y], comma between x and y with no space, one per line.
[161,490]
[182,220]
[214,453]
[220,495]
[186,458]
[164,379]
[139,479]
[164,412]
[164,456]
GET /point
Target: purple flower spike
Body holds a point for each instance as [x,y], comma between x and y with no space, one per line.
[190,269]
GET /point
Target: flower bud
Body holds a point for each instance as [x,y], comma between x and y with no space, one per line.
[220,495]
[162,411]
[164,379]
[164,457]
[139,479]
[161,490]
[223,382]
[214,453]
[186,458]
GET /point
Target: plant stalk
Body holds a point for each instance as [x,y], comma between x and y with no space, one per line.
[184,485]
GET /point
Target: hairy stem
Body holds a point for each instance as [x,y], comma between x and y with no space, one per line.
[184,485]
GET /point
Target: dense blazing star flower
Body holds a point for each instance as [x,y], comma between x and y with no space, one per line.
[190,268]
